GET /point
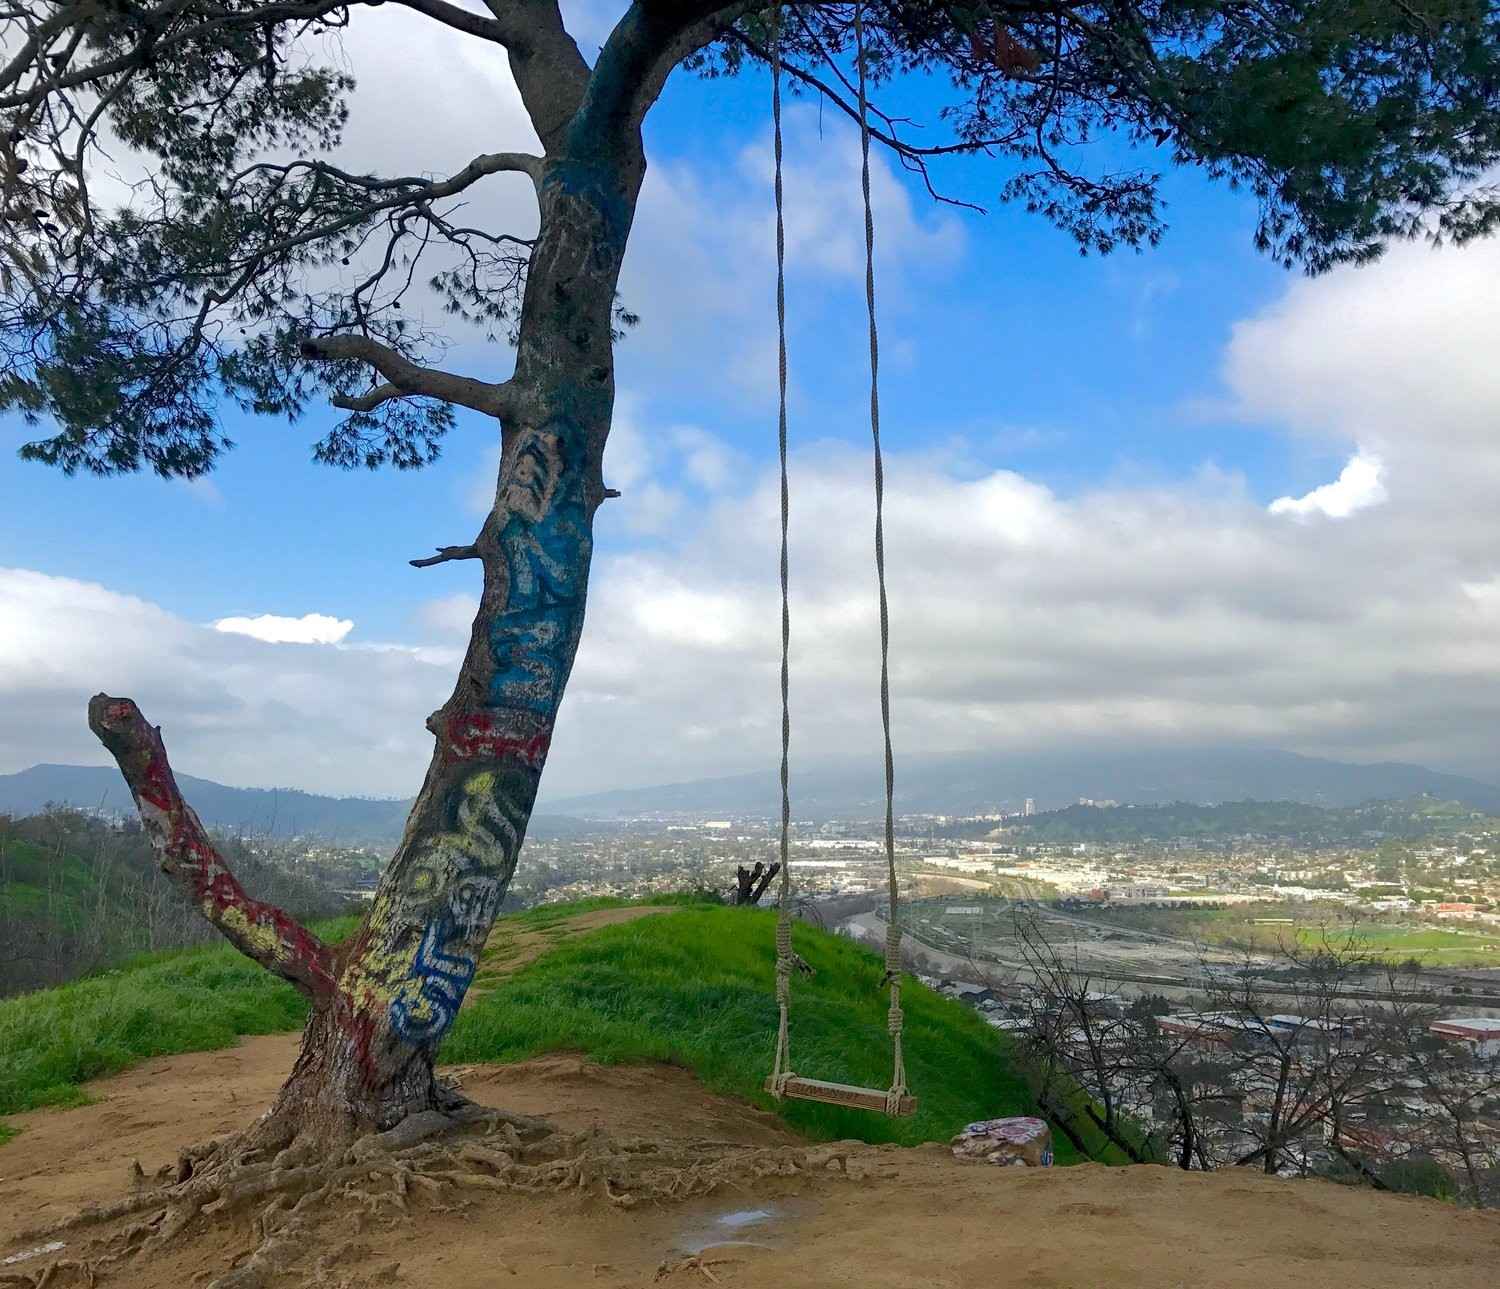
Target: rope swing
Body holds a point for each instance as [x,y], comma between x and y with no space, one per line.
[783,1083]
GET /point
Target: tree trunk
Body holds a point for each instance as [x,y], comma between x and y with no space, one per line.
[382,1006]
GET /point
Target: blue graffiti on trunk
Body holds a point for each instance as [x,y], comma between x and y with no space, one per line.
[460,876]
[546,544]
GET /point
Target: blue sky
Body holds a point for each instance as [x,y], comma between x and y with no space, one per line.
[1153,404]
[1073,369]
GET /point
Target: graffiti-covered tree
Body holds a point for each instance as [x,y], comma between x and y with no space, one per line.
[246,265]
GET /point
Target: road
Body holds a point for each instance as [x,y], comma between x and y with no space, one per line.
[1176,986]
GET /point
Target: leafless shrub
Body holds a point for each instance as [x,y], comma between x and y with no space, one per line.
[1312,1058]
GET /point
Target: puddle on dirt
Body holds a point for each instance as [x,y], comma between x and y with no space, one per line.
[760,1227]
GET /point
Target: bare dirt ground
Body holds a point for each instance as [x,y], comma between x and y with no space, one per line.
[894,1218]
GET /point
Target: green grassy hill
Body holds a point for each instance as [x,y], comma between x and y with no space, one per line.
[693,987]
[183,1000]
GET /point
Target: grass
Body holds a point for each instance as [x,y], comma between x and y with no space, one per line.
[185,1000]
[691,987]
[1429,945]
[694,988]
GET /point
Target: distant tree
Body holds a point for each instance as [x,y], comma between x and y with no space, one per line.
[751,883]
[78,893]
[248,264]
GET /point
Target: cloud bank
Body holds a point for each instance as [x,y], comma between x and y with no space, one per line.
[1325,623]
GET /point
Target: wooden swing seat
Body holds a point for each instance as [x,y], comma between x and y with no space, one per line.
[799,1089]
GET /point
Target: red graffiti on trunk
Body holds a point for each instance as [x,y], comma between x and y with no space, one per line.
[476,736]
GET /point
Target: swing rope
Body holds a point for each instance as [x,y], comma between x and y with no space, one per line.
[781,1071]
[893,926]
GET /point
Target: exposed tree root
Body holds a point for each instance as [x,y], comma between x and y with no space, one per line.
[697,1262]
[430,1160]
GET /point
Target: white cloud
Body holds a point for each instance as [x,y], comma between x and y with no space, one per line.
[706,459]
[650,509]
[1358,487]
[1021,618]
[628,456]
[449,615]
[233,708]
[310,628]
[700,269]
[203,489]
[1398,355]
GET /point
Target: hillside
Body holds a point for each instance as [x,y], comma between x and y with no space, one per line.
[279,812]
[691,986]
[257,812]
[972,783]
[76,896]
[740,1198]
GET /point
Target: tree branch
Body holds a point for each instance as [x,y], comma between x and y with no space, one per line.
[652,38]
[446,553]
[405,377]
[550,73]
[912,156]
[450,15]
[262,932]
[367,402]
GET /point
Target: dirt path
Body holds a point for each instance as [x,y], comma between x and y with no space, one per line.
[63,1159]
[914,1217]
[512,946]
[909,1218]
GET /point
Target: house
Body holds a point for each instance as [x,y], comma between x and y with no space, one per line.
[1480,1032]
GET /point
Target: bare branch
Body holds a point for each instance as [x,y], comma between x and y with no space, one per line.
[367,402]
[913,157]
[262,932]
[450,15]
[406,377]
[446,553]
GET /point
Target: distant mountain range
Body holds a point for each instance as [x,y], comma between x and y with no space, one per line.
[970,784]
[978,783]
[281,812]
[275,812]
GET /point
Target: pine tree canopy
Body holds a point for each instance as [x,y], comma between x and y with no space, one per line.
[245,264]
